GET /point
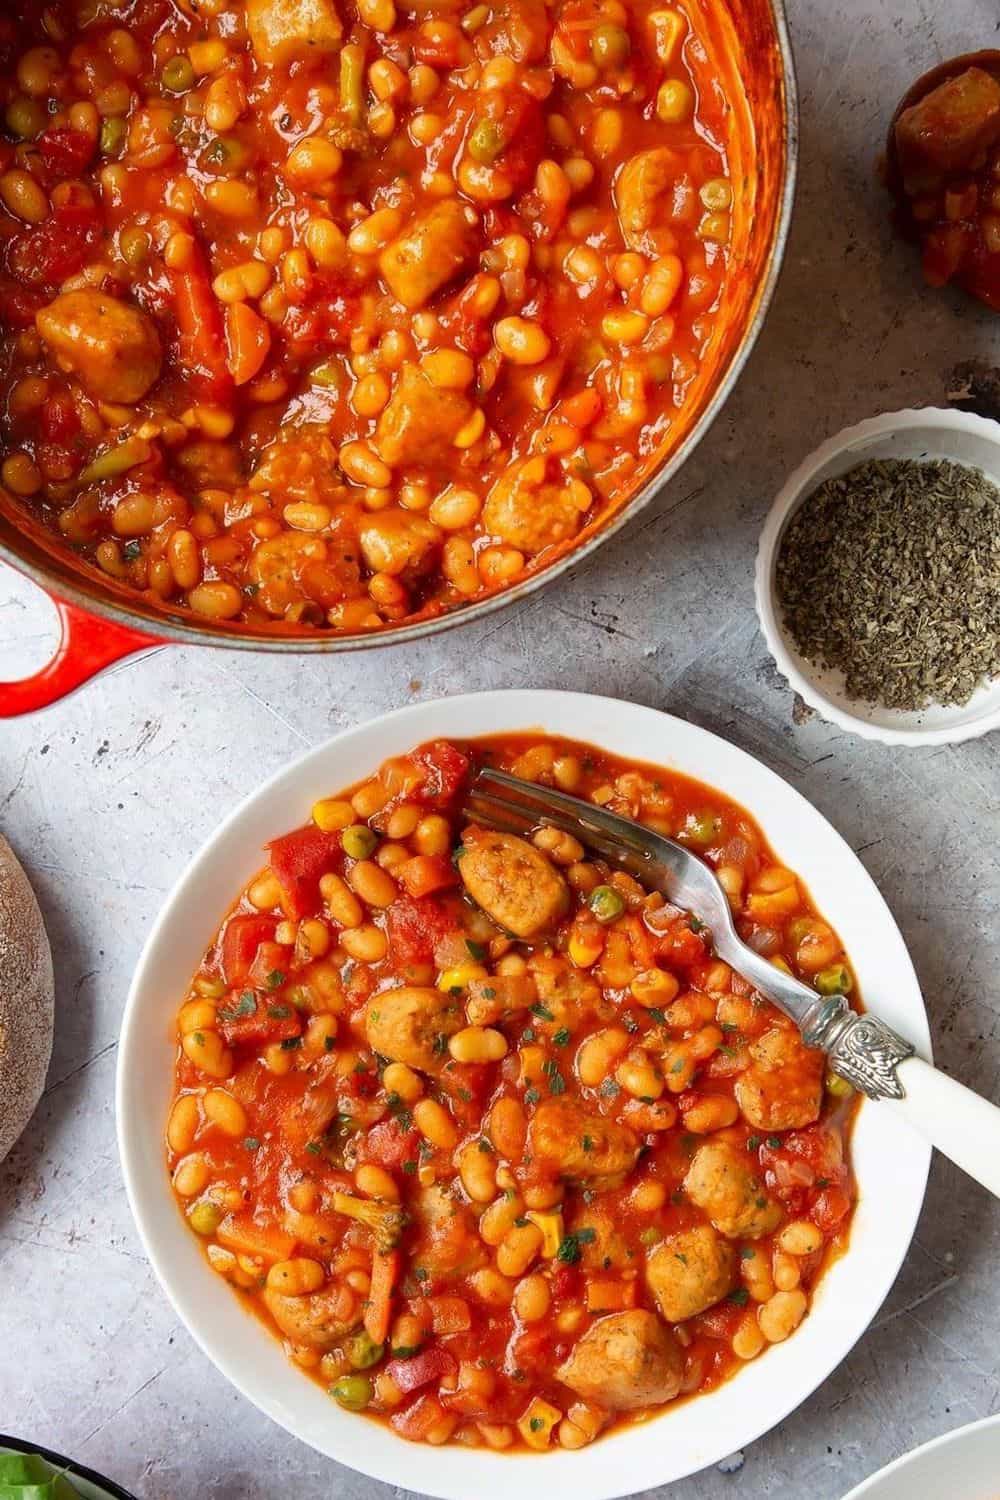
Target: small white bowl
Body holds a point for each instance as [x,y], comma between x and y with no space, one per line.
[964,1465]
[928,433]
[890,1162]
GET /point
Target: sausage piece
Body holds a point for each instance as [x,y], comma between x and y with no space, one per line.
[642,198]
[420,421]
[948,130]
[412,1025]
[432,249]
[625,1361]
[397,541]
[719,1181]
[584,1147]
[284,31]
[689,1271]
[512,881]
[316,1320]
[782,1088]
[533,505]
[111,346]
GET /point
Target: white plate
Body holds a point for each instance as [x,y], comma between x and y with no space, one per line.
[928,433]
[961,1465]
[891,1164]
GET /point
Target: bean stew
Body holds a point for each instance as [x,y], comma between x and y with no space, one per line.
[482,1130]
[323,316]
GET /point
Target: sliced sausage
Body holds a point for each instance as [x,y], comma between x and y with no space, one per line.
[412,1025]
[433,248]
[689,1271]
[111,346]
[625,1361]
[533,505]
[421,420]
[512,881]
[316,1320]
[719,1181]
[584,1147]
[782,1087]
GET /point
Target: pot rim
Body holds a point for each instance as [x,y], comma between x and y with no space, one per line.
[166,628]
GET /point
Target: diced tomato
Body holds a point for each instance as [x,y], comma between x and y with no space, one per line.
[681,948]
[426,873]
[297,862]
[445,770]
[60,420]
[242,937]
[18,305]
[449,1314]
[416,927]
[58,248]
[565,1282]
[411,1374]
[267,972]
[66,152]
[251,1019]
[388,1144]
[830,1208]
[326,323]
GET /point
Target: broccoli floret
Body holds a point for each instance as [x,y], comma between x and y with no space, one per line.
[385,1220]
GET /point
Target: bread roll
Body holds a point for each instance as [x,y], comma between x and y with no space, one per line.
[27,1002]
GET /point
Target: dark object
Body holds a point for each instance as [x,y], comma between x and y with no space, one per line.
[975,386]
[71,1470]
[891,573]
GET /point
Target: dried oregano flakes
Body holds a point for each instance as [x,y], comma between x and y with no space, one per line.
[891,573]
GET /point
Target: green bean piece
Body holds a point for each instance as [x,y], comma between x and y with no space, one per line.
[117,460]
[363,1352]
[701,829]
[358,841]
[486,142]
[605,903]
[610,46]
[352,79]
[836,980]
[352,1391]
[112,135]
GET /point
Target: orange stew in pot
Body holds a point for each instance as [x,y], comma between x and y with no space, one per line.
[331,313]
[480,1127]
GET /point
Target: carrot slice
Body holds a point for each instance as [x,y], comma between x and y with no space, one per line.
[248,340]
[385,1273]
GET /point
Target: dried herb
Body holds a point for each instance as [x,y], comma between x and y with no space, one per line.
[891,574]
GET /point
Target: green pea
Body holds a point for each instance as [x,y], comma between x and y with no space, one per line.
[701,829]
[836,980]
[605,903]
[838,1087]
[363,1352]
[225,156]
[112,135]
[205,1216]
[799,928]
[178,74]
[358,841]
[25,118]
[486,142]
[352,1391]
[610,46]
[328,374]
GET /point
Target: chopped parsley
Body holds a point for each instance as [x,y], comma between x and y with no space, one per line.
[569,1248]
[279,1012]
[409,1167]
[440,1044]
[245,1006]
[543,1014]
[753,1142]
[291,1043]
[557,1083]
[561,1037]
[421,1273]
[696,924]
[528,1034]
[657,1015]
[739,1296]
[609,1088]
[251,1143]
[484,1146]
[132,551]
[476,950]
[536,1424]
[587,1143]
[314,1147]
[276,979]
[747,1254]
[774,1141]
[531,1096]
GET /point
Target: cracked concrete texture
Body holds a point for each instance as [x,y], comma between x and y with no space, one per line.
[106,797]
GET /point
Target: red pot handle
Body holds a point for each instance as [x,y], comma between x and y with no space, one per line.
[87,644]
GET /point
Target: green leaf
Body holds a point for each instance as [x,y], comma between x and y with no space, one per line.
[245,1006]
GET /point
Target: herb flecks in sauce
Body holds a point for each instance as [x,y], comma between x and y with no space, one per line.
[891,573]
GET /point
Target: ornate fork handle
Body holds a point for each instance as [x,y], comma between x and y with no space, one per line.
[862,1049]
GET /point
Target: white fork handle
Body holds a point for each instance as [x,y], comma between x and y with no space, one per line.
[961,1124]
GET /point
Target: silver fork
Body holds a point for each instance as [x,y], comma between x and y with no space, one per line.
[859,1047]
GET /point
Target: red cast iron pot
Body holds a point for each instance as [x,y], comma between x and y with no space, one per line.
[101,621]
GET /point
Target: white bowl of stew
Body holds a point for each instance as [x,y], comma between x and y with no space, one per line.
[888,1165]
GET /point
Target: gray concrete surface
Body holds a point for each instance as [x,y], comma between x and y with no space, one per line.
[107,796]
